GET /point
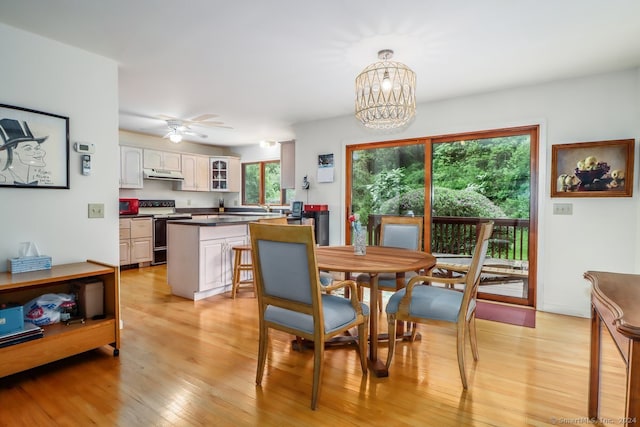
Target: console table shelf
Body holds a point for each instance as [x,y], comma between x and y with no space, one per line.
[60,340]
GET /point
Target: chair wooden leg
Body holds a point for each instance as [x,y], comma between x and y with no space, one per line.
[414,331]
[380,301]
[363,334]
[262,353]
[237,259]
[318,362]
[472,336]
[460,348]
[392,341]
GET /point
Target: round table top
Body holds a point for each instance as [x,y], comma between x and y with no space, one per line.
[378,259]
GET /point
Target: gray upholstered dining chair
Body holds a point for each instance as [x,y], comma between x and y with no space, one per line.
[419,302]
[290,296]
[398,232]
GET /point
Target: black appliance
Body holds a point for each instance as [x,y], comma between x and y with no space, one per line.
[162,211]
[321,222]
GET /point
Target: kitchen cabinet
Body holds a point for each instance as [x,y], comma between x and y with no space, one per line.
[61,340]
[200,260]
[195,170]
[130,167]
[162,160]
[136,240]
[225,174]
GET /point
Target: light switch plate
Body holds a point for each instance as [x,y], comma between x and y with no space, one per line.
[563,209]
[96,210]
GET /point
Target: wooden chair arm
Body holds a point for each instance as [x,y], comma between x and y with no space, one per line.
[353,292]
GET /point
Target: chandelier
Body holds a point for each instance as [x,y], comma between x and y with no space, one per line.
[385,93]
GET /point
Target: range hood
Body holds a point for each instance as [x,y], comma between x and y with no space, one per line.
[162,175]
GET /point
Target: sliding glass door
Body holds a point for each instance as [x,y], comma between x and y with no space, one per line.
[454,182]
[385,179]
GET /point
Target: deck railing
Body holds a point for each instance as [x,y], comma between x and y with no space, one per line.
[457,235]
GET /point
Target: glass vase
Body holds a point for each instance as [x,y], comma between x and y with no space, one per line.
[359,242]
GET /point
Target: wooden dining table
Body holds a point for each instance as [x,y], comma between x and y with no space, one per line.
[378,259]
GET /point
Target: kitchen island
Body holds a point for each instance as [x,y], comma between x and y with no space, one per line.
[199,258]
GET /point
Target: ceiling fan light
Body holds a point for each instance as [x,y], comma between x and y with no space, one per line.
[267,144]
[175,138]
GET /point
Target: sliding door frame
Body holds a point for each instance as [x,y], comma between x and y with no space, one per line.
[534,138]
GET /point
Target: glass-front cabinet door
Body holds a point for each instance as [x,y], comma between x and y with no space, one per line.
[219,174]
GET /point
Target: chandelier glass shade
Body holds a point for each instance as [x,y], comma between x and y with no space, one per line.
[385,93]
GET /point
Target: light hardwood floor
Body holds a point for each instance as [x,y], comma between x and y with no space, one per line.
[193,364]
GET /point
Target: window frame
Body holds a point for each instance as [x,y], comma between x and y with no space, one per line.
[261,189]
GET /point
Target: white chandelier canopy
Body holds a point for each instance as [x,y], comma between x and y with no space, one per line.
[385,93]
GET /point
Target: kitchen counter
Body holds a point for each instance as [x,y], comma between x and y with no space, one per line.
[226,219]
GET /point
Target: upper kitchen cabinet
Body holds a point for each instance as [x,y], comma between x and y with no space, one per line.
[163,160]
[225,174]
[195,170]
[130,167]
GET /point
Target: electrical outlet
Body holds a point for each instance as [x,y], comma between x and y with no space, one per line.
[563,209]
[188,202]
[96,210]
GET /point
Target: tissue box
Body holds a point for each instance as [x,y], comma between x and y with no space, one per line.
[29,263]
[11,320]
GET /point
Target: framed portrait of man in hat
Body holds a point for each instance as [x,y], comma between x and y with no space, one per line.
[34,148]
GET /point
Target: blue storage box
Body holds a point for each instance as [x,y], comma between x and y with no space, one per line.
[11,320]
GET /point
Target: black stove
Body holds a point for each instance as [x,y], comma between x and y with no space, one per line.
[162,211]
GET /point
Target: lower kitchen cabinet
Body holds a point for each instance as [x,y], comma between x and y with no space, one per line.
[136,240]
[200,260]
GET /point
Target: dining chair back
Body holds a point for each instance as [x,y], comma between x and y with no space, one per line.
[398,232]
[401,232]
[421,302]
[290,298]
[276,220]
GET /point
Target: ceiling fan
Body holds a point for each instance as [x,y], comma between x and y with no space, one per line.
[177,128]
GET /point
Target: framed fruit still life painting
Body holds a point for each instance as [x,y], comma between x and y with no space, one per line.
[592,169]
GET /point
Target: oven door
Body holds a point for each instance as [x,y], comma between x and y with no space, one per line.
[159,241]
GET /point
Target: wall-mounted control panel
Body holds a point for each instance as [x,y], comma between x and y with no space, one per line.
[84,147]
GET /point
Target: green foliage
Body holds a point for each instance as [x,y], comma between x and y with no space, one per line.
[386,184]
[499,168]
[463,203]
[252,183]
[446,202]
[272,183]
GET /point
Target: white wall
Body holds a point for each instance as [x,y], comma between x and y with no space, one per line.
[600,235]
[48,76]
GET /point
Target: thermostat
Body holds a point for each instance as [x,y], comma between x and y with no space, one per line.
[84,147]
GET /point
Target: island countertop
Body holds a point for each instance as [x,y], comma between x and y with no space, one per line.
[222,219]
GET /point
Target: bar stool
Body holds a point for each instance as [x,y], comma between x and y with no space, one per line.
[240,253]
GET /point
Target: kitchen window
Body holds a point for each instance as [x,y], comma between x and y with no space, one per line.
[261,184]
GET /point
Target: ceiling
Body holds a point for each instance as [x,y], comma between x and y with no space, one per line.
[262,66]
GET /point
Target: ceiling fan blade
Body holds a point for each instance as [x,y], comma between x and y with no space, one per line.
[166,117]
[192,133]
[205,124]
[203,117]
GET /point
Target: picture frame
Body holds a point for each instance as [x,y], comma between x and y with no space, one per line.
[34,148]
[592,169]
